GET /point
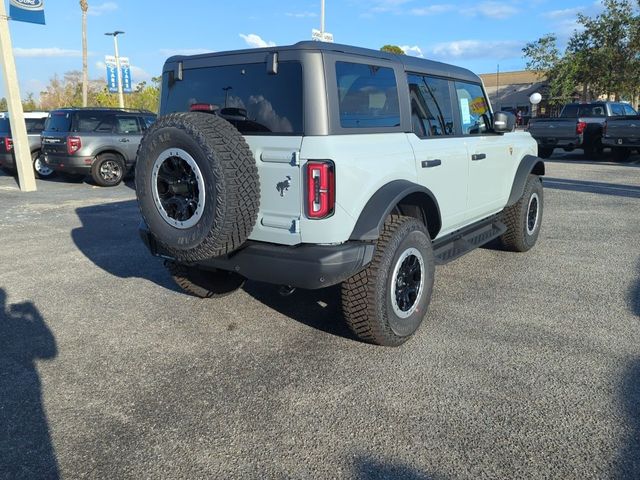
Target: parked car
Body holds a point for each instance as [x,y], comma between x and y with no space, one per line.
[320,164]
[622,134]
[580,126]
[101,142]
[35,125]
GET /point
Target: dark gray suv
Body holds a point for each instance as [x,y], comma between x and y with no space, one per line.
[101,142]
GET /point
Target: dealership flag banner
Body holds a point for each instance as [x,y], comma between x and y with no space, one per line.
[31,11]
[112,74]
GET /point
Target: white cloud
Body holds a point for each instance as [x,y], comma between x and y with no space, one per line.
[468,49]
[170,52]
[107,7]
[414,51]
[495,10]
[46,52]
[255,41]
[565,12]
[383,6]
[432,9]
[301,14]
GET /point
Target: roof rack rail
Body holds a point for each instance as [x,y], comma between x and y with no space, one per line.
[115,109]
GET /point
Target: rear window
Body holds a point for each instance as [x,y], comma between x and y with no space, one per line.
[254,101]
[4,125]
[368,96]
[58,122]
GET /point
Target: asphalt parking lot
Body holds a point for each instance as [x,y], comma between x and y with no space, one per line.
[528,365]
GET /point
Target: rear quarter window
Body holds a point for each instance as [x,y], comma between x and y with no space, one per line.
[367,96]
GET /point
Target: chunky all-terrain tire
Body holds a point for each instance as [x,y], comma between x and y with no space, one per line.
[108,170]
[205,283]
[40,168]
[524,218]
[545,152]
[371,305]
[205,151]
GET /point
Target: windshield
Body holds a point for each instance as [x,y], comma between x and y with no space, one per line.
[58,122]
[35,125]
[254,101]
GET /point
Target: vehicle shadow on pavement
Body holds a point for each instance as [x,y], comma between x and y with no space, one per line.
[602,188]
[26,450]
[109,238]
[319,309]
[629,466]
[569,160]
[370,469]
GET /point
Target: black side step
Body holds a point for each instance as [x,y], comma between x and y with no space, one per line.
[463,241]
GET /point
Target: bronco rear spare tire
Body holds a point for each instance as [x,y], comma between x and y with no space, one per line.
[197,185]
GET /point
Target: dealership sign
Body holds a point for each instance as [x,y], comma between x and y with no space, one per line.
[112,74]
[31,11]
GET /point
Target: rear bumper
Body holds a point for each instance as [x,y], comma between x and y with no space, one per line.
[621,142]
[69,164]
[303,266]
[571,142]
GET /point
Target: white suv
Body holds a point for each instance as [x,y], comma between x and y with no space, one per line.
[318,164]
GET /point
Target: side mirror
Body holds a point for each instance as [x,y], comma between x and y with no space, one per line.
[504,122]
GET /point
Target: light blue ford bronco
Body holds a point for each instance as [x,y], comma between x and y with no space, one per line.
[321,164]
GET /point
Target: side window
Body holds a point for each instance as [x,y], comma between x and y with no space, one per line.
[147,121]
[474,108]
[431,108]
[127,125]
[617,109]
[94,122]
[628,110]
[367,96]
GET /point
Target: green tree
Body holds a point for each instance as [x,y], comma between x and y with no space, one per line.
[29,105]
[393,49]
[3,105]
[601,58]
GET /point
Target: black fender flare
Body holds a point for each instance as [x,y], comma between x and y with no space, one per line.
[529,164]
[382,203]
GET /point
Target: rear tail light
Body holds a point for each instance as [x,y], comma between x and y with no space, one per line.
[581,127]
[73,145]
[202,107]
[321,189]
[8,144]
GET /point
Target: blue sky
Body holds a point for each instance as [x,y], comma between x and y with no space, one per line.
[474,34]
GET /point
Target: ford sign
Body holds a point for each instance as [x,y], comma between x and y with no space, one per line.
[31,11]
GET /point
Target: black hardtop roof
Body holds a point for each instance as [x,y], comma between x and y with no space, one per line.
[411,64]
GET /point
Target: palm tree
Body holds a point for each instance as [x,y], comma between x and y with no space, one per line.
[84,5]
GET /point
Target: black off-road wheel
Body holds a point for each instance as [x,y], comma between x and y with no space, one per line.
[524,218]
[545,152]
[386,303]
[197,185]
[108,170]
[205,283]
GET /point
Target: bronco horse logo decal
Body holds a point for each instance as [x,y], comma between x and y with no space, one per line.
[283,186]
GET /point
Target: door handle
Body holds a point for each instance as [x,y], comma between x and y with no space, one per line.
[431,163]
[124,140]
[478,156]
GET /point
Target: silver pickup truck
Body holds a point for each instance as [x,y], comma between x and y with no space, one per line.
[622,134]
[580,126]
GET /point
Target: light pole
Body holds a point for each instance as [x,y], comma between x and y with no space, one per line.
[322,17]
[115,44]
